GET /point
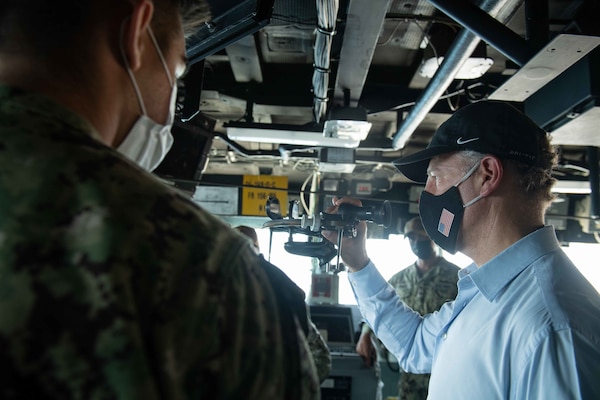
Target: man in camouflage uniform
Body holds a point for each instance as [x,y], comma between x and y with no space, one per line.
[112,285]
[318,348]
[319,351]
[425,285]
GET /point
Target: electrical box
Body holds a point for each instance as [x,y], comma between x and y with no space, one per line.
[339,160]
[324,289]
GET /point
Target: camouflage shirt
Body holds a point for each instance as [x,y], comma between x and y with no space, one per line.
[319,351]
[113,286]
[424,293]
[317,347]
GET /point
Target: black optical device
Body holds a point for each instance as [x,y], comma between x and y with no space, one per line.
[348,216]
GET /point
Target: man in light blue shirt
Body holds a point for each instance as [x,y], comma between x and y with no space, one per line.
[525,323]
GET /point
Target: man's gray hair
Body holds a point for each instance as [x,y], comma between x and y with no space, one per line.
[535,181]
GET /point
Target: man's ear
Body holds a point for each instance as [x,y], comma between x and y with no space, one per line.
[134,30]
[491,172]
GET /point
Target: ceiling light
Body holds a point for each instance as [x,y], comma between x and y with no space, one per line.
[473,68]
[347,123]
[299,137]
[345,129]
[336,168]
[573,187]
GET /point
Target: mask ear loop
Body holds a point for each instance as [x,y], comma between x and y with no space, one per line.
[130,72]
[160,55]
[464,178]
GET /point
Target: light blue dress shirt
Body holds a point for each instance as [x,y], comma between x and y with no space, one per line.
[525,325]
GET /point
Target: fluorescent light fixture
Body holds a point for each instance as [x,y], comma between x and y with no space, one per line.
[347,123]
[347,129]
[473,68]
[573,187]
[337,168]
[300,138]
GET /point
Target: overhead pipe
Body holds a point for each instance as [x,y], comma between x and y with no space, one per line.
[464,45]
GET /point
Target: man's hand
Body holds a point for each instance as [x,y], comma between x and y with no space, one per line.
[366,349]
[354,252]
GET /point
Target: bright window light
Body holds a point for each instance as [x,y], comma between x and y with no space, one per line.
[394,254]
[585,256]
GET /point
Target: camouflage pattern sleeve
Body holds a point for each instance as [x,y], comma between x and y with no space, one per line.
[426,293]
[294,318]
[319,351]
[113,286]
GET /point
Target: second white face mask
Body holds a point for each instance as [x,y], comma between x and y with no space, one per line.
[148,142]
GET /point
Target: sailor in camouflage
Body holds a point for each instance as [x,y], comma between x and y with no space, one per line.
[319,351]
[113,285]
[318,348]
[425,285]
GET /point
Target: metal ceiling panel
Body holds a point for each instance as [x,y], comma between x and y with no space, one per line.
[363,26]
[554,59]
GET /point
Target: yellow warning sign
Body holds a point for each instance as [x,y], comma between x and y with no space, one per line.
[258,188]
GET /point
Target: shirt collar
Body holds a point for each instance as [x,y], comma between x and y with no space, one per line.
[496,274]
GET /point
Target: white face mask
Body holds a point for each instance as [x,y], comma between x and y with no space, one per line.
[148,142]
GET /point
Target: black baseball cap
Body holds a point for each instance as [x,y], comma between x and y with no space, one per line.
[488,127]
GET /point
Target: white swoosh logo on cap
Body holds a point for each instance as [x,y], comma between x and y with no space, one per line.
[461,141]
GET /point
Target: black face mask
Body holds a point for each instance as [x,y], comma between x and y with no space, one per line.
[442,215]
[422,249]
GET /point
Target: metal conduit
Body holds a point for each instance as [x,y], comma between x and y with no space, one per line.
[466,42]
[326,23]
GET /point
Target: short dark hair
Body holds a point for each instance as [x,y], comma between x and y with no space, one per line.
[193,13]
[41,28]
